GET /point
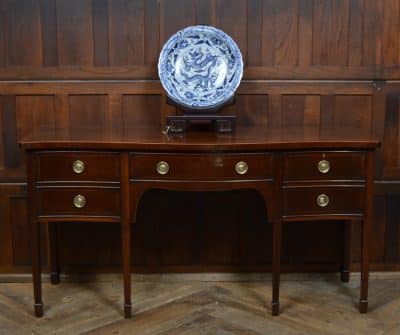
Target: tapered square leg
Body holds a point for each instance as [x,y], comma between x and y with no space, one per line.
[363,306]
[275,308]
[36,269]
[127,311]
[276,266]
[126,233]
[366,224]
[38,310]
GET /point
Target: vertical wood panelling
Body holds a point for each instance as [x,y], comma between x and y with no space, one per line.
[274,111]
[353,115]
[6,229]
[100,33]
[305,43]
[286,32]
[126,25]
[35,114]
[232,18]
[21,235]
[88,112]
[331,32]
[175,16]
[61,108]
[24,33]
[373,29]
[75,32]
[203,12]
[115,115]
[378,228]
[392,233]
[391,140]
[355,50]
[268,33]
[11,149]
[391,25]
[141,110]
[253,110]
[327,114]
[49,32]
[151,32]
[3,50]
[254,29]
[312,110]
[293,107]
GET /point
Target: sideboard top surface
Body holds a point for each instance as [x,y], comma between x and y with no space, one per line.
[151,138]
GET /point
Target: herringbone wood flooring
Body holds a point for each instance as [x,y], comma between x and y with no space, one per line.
[310,304]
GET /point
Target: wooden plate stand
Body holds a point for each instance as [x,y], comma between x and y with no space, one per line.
[185,119]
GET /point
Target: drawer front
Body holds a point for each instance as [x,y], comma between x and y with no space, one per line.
[201,167]
[78,201]
[323,200]
[78,166]
[324,166]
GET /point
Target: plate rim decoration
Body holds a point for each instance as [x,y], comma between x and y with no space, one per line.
[163,73]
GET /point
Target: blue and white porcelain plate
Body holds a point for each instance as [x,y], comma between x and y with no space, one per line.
[200,67]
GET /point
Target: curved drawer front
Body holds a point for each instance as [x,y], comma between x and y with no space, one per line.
[78,166]
[340,200]
[324,166]
[78,201]
[201,167]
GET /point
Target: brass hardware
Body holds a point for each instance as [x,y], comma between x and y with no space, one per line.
[79,201]
[322,200]
[324,166]
[162,167]
[241,167]
[78,166]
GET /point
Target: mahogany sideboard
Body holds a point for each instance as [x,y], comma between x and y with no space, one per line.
[87,177]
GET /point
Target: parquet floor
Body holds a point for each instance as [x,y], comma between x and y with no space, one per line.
[170,305]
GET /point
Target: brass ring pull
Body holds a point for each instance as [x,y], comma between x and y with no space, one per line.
[79,201]
[322,200]
[78,166]
[162,168]
[324,166]
[241,167]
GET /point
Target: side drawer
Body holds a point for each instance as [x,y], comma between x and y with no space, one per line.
[322,200]
[79,201]
[202,167]
[78,166]
[324,166]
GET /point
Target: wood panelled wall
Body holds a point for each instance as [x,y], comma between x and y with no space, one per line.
[326,64]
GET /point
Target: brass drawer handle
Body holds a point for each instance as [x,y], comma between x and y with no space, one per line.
[162,168]
[78,166]
[241,167]
[79,201]
[324,166]
[322,200]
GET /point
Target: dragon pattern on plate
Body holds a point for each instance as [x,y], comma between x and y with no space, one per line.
[200,67]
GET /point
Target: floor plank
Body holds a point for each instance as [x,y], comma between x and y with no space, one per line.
[315,304]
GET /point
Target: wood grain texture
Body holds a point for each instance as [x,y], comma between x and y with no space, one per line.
[187,305]
[62,49]
[340,39]
[23,33]
[75,32]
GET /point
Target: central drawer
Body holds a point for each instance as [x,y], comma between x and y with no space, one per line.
[201,166]
[59,201]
